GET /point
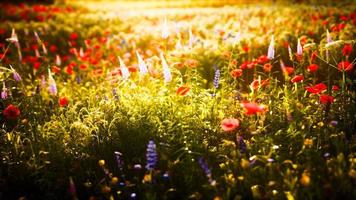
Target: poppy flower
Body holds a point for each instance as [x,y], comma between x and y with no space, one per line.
[36,65]
[236,73]
[257,83]
[313,56]
[63,101]
[56,69]
[335,88]
[83,66]
[253,108]
[229,124]
[183,90]
[313,68]
[73,36]
[346,51]
[345,66]
[11,112]
[326,99]
[267,67]
[262,59]
[316,89]
[287,70]
[297,79]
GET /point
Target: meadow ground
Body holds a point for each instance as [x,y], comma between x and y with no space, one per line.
[171,100]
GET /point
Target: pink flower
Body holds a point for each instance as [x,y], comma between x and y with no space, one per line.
[253,108]
[229,124]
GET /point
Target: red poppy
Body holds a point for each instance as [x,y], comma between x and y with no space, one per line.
[253,108]
[267,67]
[346,51]
[287,70]
[297,79]
[229,124]
[256,84]
[313,56]
[345,66]
[36,65]
[335,88]
[83,66]
[183,90]
[69,70]
[321,86]
[236,73]
[326,99]
[313,68]
[73,36]
[63,101]
[56,69]
[53,48]
[11,112]
[262,59]
[316,89]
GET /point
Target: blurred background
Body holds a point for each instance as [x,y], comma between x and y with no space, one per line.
[188,2]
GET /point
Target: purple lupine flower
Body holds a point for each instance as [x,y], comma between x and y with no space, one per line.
[114,93]
[206,170]
[141,65]
[58,60]
[299,48]
[270,53]
[124,71]
[16,76]
[119,162]
[241,144]
[78,79]
[216,77]
[151,155]
[166,71]
[4,93]
[52,84]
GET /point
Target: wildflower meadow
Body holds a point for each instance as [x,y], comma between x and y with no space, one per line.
[177,100]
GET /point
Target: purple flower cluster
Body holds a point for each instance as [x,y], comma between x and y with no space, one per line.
[151,155]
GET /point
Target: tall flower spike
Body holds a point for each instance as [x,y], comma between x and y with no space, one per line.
[119,162]
[270,53]
[15,75]
[52,84]
[13,39]
[165,30]
[4,93]
[58,60]
[191,38]
[328,37]
[216,77]
[141,65]
[166,71]
[299,48]
[124,71]
[206,170]
[151,155]
[290,53]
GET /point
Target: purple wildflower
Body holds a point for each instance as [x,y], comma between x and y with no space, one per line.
[151,155]
[206,170]
[270,53]
[119,162]
[216,78]
[4,93]
[241,144]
